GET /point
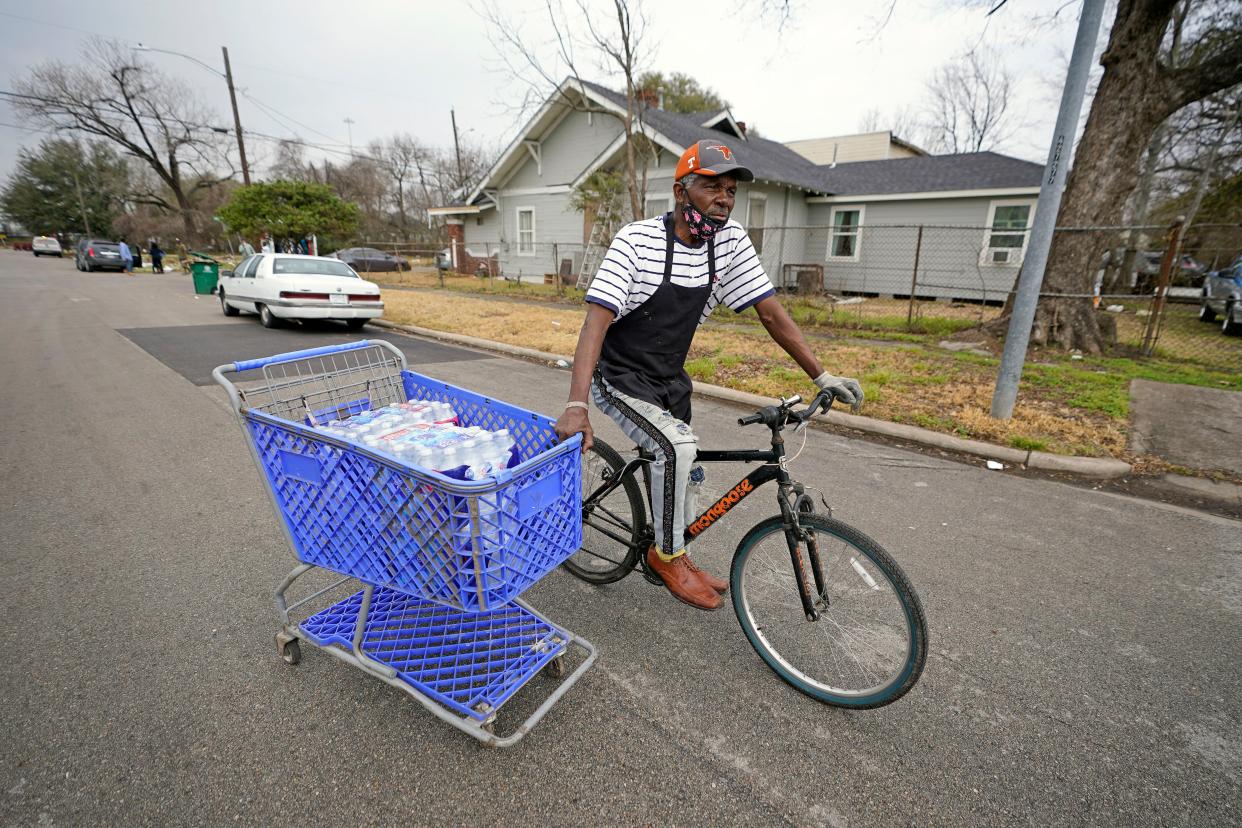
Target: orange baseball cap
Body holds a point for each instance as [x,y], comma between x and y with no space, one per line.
[710,157]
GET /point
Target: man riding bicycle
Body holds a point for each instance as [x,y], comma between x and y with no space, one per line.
[659,280]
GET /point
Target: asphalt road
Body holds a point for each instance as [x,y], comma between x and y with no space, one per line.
[1085,647]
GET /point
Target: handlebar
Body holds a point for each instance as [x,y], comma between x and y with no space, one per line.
[778,416]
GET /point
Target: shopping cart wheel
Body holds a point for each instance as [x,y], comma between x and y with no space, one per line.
[555,668]
[291,652]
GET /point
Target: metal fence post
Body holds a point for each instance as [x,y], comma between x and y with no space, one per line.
[556,267]
[1152,332]
[914,278]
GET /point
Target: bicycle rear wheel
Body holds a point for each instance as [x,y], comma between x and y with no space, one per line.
[612,525]
[869,644]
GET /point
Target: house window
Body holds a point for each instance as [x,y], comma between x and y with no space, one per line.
[845,233]
[1008,230]
[526,231]
[757,208]
[656,207]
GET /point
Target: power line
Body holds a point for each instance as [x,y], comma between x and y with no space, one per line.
[278,115]
[213,129]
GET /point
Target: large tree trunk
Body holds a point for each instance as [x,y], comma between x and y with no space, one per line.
[1126,110]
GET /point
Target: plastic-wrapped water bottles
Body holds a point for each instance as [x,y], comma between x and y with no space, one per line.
[427,434]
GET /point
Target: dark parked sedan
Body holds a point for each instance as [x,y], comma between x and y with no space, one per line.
[97,254]
[370,260]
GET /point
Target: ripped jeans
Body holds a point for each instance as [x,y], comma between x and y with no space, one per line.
[673,493]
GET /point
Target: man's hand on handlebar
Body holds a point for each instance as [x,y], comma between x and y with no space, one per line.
[575,421]
[845,389]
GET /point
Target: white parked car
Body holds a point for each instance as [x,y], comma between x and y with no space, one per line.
[281,286]
[45,246]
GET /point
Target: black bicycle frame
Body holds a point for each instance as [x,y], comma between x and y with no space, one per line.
[771,469]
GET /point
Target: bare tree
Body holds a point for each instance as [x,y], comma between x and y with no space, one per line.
[148,115]
[400,156]
[615,44]
[968,104]
[902,123]
[1138,91]
[289,163]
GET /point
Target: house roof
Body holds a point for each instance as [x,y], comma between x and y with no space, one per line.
[768,160]
[931,173]
[772,161]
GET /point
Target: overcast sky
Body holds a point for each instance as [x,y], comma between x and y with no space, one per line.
[394,66]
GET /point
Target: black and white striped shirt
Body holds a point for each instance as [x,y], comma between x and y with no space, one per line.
[633,269]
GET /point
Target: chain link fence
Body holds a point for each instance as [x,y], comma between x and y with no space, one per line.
[939,280]
[932,279]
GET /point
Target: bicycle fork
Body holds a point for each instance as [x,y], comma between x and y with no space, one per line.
[794,533]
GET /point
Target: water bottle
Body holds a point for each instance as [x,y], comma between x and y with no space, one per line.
[504,448]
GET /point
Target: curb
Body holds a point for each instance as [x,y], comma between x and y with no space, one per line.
[1102,468]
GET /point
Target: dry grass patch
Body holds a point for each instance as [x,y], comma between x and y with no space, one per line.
[549,329]
[914,384]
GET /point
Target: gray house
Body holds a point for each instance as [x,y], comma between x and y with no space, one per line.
[853,227]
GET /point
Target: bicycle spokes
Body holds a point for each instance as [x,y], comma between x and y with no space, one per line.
[864,638]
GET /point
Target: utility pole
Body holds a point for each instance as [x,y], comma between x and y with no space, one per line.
[1031,278]
[461,176]
[241,145]
[77,186]
[349,125]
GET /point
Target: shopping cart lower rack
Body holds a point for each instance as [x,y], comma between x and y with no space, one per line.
[441,561]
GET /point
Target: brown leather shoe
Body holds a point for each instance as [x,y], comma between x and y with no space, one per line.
[683,582]
[720,585]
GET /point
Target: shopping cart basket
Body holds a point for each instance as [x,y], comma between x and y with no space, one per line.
[441,561]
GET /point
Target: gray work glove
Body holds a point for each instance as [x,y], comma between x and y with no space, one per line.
[845,389]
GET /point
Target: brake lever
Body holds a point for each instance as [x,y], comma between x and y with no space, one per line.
[822,400]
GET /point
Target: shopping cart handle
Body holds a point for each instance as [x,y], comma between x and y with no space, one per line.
[251,364]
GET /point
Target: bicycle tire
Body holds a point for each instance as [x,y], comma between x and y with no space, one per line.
[905,662]
[603,559]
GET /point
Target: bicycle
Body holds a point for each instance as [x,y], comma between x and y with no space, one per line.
[824,605]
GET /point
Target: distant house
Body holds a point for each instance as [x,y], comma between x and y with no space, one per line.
[846,149]
[854,226]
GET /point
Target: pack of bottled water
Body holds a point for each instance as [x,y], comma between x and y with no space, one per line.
[426,433]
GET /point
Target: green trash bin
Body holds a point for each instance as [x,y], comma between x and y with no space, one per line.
[205,275]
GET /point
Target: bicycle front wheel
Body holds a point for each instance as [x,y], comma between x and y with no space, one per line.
[613,520]
[867,647]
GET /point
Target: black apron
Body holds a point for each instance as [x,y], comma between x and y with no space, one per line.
[644,353]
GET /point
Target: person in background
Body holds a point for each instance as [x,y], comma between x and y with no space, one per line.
[157,256]
[127,258]
[265,244]
[137,251]
[245,248]
[302,246]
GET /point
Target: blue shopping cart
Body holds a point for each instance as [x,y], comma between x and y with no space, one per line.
[441,561]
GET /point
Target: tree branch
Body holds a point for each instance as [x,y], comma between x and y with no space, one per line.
[1196,81]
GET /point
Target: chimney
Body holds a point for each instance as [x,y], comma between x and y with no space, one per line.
[653,98]
[741,125]
[660,98]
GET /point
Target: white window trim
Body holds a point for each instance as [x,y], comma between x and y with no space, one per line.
[832,227]
[750,200]
[517,230]
[985,251]
[666,199]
